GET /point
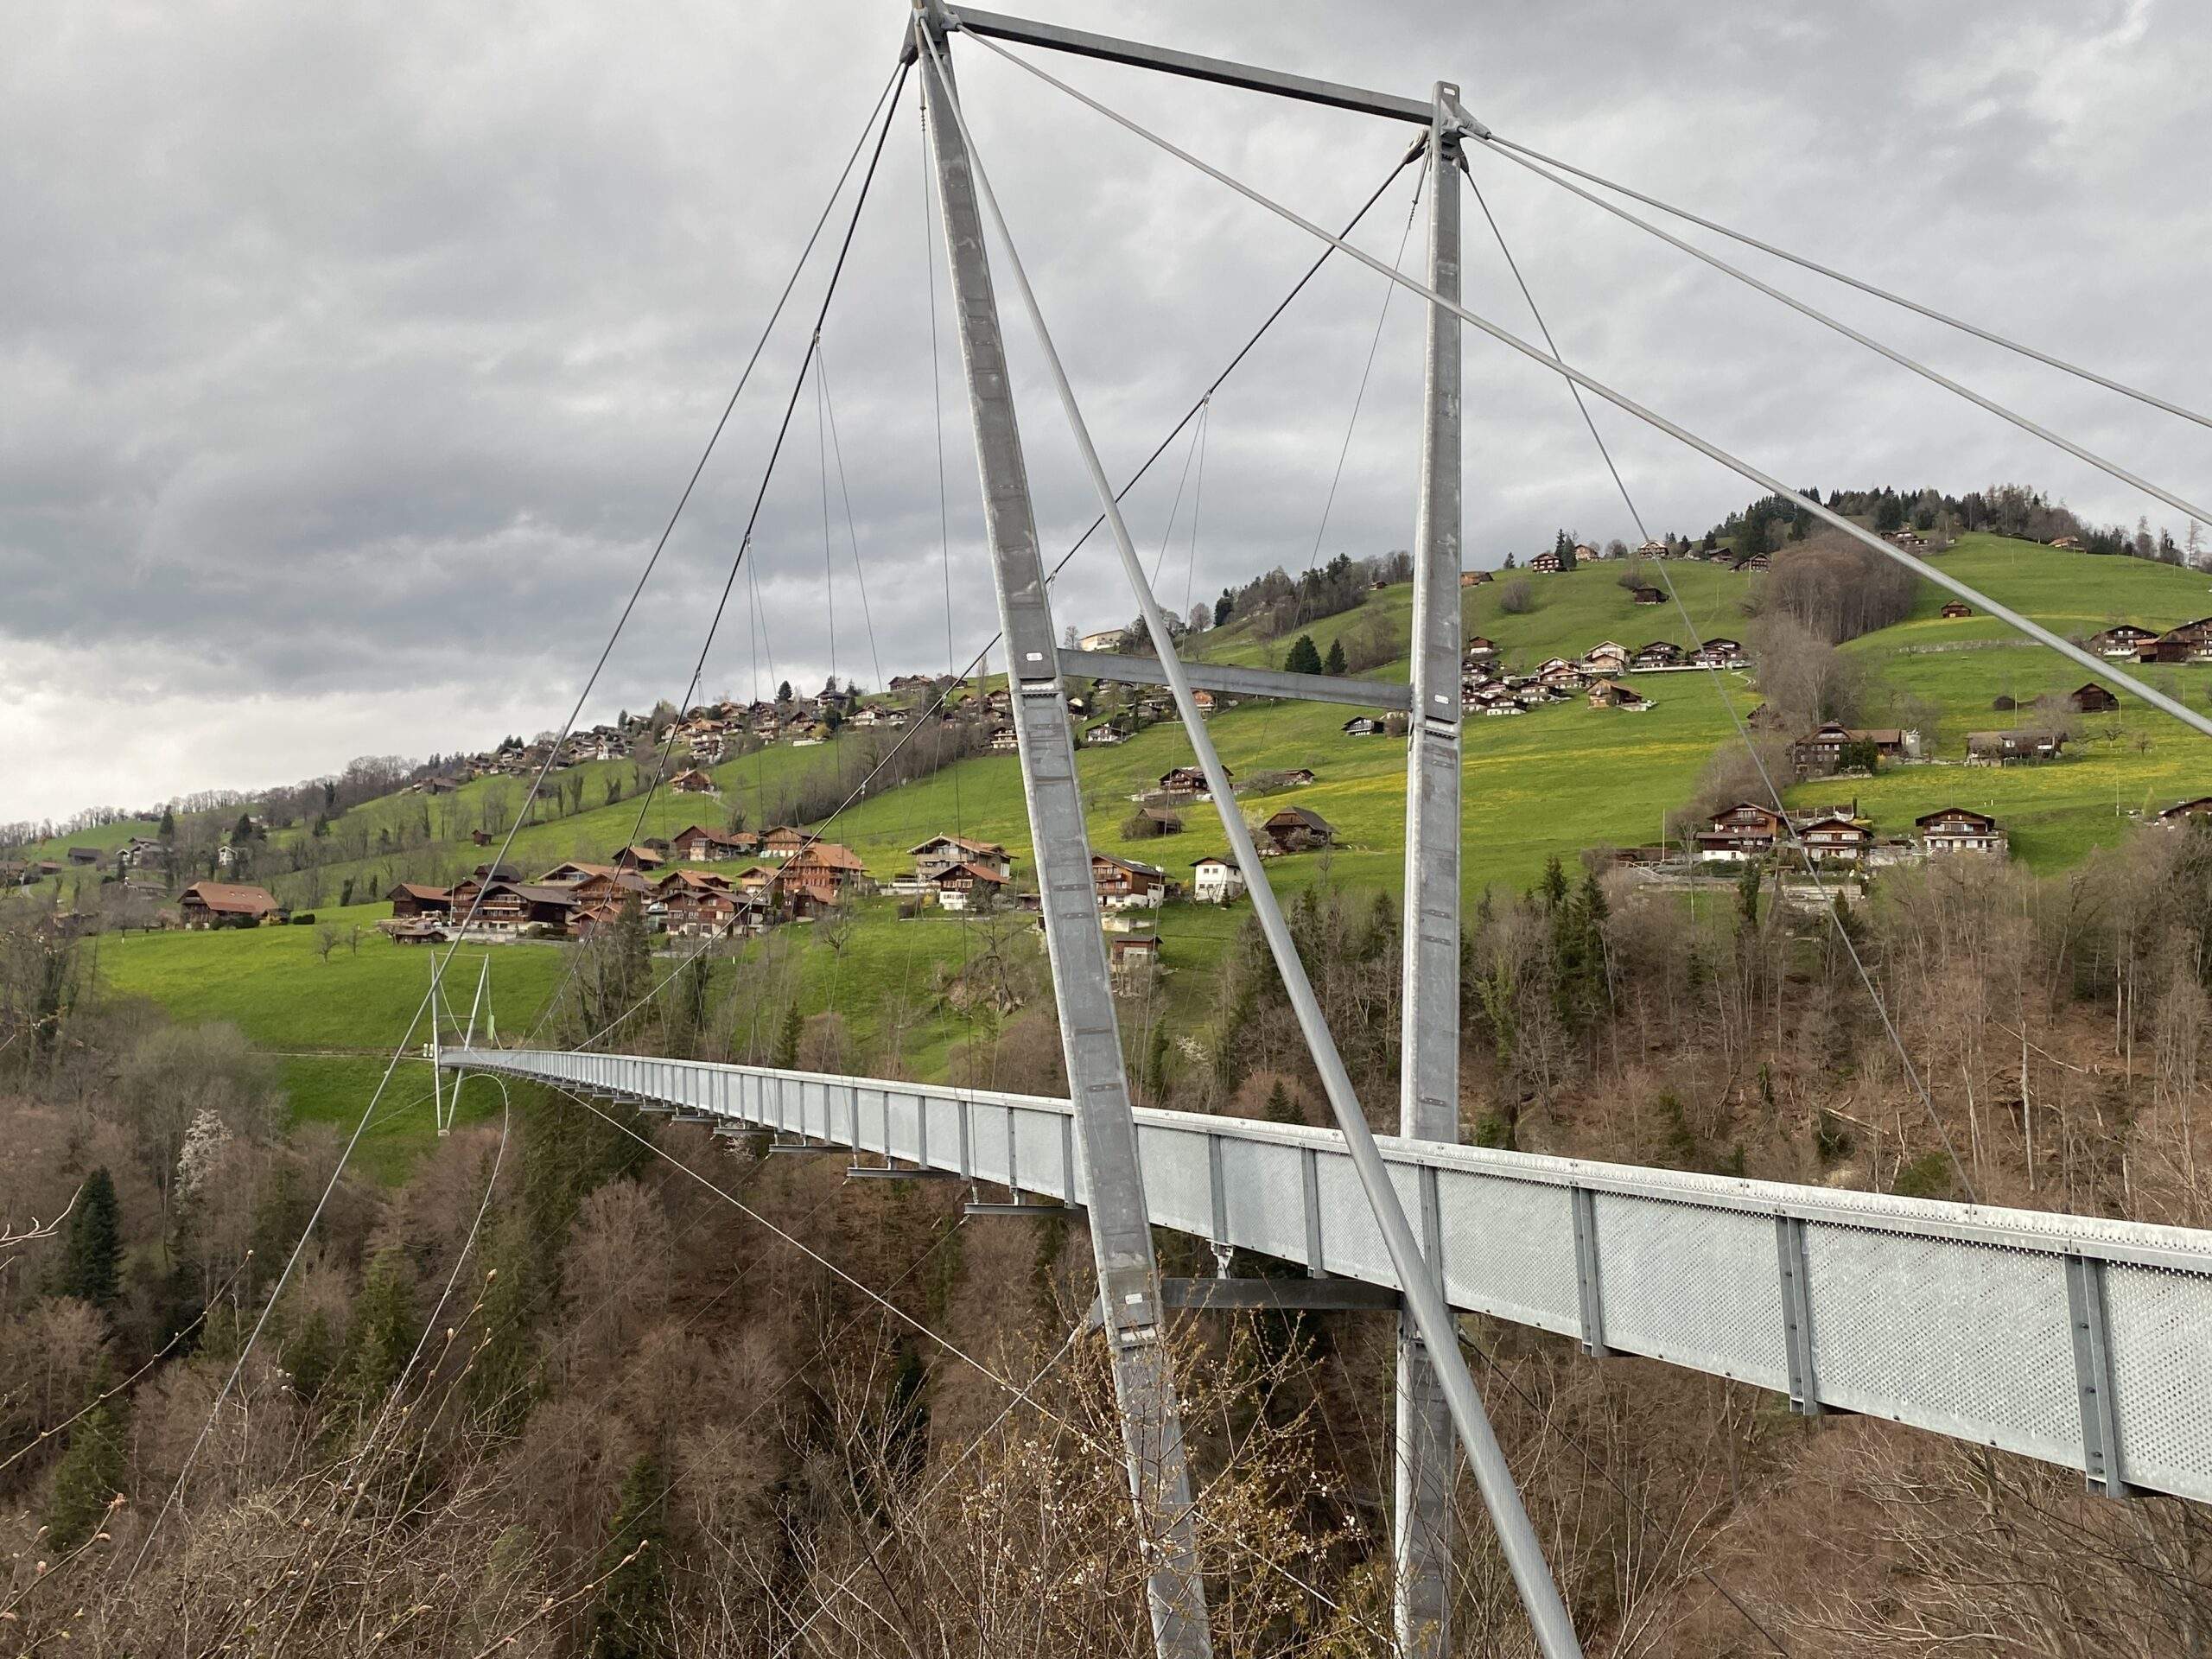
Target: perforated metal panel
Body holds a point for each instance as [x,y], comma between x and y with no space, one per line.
[1264,1192]
[1178,1184]
[1508,1249]
[1967,1338]
[1949,1317]
[2162,1373]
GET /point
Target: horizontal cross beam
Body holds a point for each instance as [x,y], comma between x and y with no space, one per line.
[1238,682]
[1221,70]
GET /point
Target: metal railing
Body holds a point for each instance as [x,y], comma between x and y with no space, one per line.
[2081,1342]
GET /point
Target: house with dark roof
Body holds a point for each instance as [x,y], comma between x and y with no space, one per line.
[1959,830]
[1296,829]
[226,904]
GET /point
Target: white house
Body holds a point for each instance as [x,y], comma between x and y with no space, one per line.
[1215,880]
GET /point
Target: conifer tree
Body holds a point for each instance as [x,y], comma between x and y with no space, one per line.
[383,1330]
[91,1473]
[1335,664]
[91,1264]
[1304,657]
[630,1619]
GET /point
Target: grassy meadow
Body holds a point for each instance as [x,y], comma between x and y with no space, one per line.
[1550,783]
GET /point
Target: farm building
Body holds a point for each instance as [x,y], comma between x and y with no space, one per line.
[1647,596]
[2091,699]
[1956,608]
[1188,780]
[1957,829]
[1296,829]
[410,899]
[2002,748]
[700,845]
[224,904]
[1821,750]
[2183,811]
[1133,956]
[1611,694]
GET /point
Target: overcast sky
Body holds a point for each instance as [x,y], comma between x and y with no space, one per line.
[352,357]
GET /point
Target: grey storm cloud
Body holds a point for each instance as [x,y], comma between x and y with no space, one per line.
[355,356]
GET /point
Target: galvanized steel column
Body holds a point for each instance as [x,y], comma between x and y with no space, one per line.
[1429,1107]
[1121,1233]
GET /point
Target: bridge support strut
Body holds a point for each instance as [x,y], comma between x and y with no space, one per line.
[1428,1099]
[1121,1232]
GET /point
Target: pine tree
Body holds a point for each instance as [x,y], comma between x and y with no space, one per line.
[787,1038]
[630,1621]
[168,831]
[90,1268]
[784,692]
[383,1329]
[309,1355]
[1303,658]
[1335,664]
[1279,1109]
[91,1473]
[1224,607]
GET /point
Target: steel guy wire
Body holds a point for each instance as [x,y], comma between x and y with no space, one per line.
[1531,1573]
[2035,631]
[1021,1393]
[1904,360]
[942,696]
[852,531]
[1499,141]
[1728,702]
[897,79]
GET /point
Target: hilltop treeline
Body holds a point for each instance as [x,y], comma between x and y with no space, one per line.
[2016,510]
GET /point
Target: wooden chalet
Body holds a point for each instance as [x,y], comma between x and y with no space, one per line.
[2185,811]
[825,861]
[1124,884]
[2090,698]
[1104,735]
[639,857]
[2068,544]
[226,904]
[2123,640]
[1840,839]
[1480,649]
[697,904]
[1658,657]
[1958,829]
[1132,955]
[700,845]
[1956,608]
[1744,831]
[1758,561]
[781,841]
[1721,654]
[962,885]
[1547,564]
[940,852]
[2005,748]
[1821,751]
[1493,699]
[1296,829]
[608,886]
[1611,694]
[1364,726]
[569,875]
[2189,643]
[1606,657]
[694,782]
[413,899]
[1190,781]
[85,856]
[1907,537]
[512,908]
[1647,596]
[1003,740]
[1473,578]
[1653,550]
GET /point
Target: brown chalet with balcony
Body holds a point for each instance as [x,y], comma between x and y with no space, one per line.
[1959,829]
[965,885]
[941,853]
[697,904]
[825,861]
[1840,839]
[694,782]
[1188,780]
[781,841]
[1657,657]
[1124,884]
[2121,642]
[226,903]
[1745,831]
[700,845]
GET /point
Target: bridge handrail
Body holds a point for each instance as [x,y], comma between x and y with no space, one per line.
[2080,1340]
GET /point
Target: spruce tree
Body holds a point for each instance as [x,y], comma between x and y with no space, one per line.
[630,1621]
[91,1259]
[1335,663]
[91,1473]
[1304,657]
[383,1330]
[168,831]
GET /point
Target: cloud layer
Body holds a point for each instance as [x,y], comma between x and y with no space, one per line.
[354,358]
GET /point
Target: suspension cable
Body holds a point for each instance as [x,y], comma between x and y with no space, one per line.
[2035,631]
[1728,702]
[2180,504]
[1499,141]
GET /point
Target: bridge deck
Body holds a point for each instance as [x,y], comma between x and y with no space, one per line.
[2082,1342]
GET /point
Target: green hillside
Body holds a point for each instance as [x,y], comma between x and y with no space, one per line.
[1552,782]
